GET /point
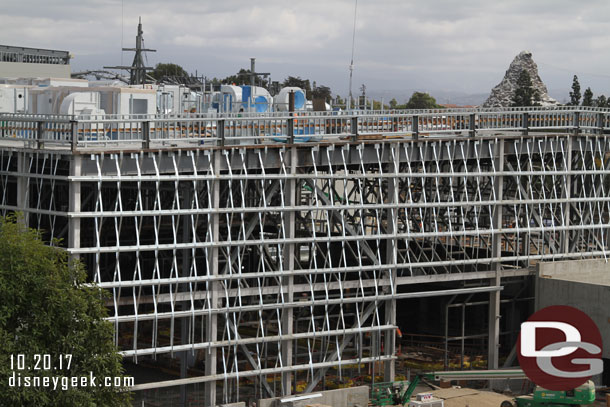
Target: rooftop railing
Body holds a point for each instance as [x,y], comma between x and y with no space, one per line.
[128,132]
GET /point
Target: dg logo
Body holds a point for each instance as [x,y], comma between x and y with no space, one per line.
[560,348]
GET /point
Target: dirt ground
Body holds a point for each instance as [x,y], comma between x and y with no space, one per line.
[470,398]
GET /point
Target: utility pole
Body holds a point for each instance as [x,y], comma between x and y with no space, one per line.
[362,103]
[253,74]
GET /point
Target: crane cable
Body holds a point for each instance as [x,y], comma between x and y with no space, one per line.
[122,28]
[351,65]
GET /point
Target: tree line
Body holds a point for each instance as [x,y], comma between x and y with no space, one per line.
[418,100]
[587,96]
[526,95]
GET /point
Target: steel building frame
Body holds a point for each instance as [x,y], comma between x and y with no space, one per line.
[269,246]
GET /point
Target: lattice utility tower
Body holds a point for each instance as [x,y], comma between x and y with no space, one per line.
[137,70]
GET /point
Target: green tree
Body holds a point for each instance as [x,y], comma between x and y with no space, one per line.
[587,97]
[299,83]
[393,103]
[601,101]
[240,78]
[377,105]
[421,100]
[322,92]
[575,94]
[525,94]
[168,69]
[47,309]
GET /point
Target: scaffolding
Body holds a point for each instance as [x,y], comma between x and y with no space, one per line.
[268,249]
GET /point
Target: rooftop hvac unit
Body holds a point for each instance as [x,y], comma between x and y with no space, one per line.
[231,98]
[281,99]
[81,103]
[255,99]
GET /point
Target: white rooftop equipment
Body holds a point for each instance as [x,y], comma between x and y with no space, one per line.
[281,100]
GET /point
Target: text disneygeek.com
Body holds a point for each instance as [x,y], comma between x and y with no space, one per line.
[65,382]
[25,371]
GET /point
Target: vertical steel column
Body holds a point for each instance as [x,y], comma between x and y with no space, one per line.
[40,135]
[415,127]
[290,121]
[212,319]
[446,321]
[576,123]
[600,123]
[74,204]
[22,184]
[146,135]
[185,323]
[567,193]
[74,134]
[472,126]
[288,265]
[494,296]
[354,128]
[392,258]
[525,123]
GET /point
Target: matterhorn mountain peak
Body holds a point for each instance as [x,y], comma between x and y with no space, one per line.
[502,94]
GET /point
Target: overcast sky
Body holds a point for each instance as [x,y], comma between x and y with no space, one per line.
[432,45]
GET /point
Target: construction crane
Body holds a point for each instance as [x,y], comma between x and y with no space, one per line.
[399,393]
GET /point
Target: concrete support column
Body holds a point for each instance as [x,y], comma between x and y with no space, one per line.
[288,259]
[391,258]
[74,204]
[494,297]
[212,319]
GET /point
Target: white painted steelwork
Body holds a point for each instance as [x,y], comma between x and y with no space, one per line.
[277,246]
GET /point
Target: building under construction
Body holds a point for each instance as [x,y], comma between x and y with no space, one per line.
[253,255]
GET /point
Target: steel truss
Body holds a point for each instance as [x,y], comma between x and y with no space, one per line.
[272,264]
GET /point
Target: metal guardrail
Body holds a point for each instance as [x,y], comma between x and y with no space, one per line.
[162,131]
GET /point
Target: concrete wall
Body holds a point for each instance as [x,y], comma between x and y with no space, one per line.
[350,397]
[596,271]
[583,284]
[27,70]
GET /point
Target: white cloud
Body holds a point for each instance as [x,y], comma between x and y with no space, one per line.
[449,45]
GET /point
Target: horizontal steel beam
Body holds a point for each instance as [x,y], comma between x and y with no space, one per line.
[297,304]
[328,239]
[339,207]
[257,372]
[480,374]
[323,175]
[253,341]
[431,278]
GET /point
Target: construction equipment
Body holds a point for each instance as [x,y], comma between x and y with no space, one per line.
[399,393]
[580,396]
[393,393]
